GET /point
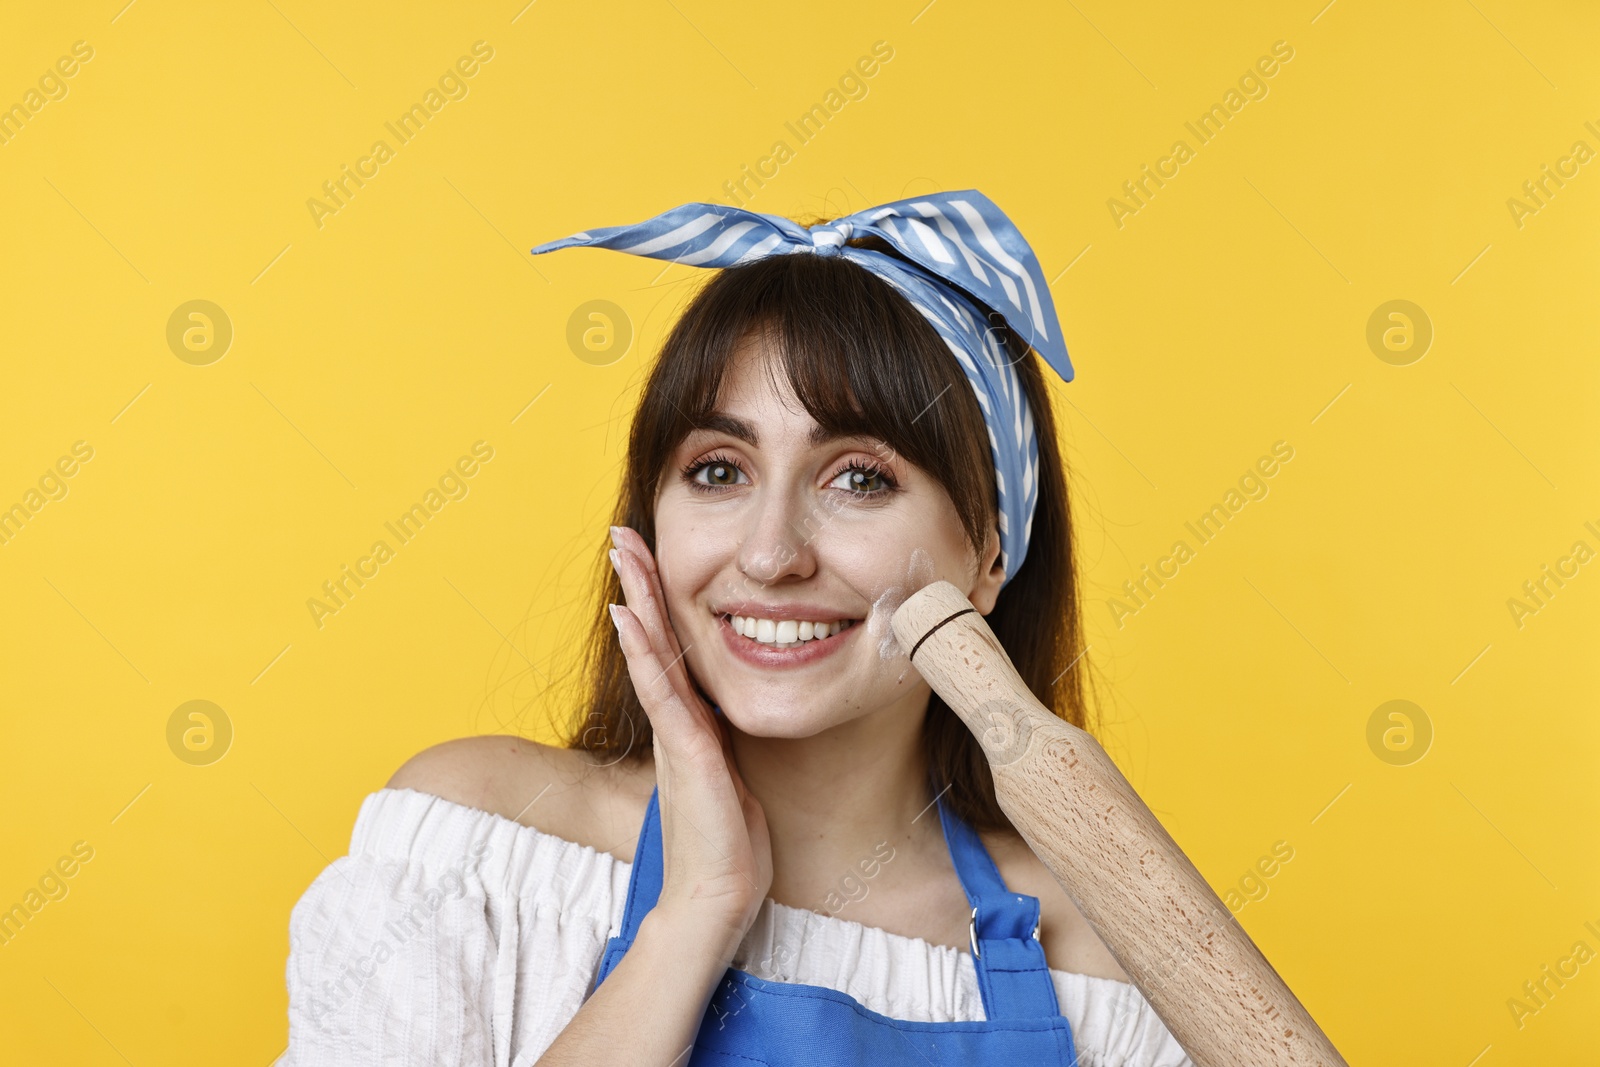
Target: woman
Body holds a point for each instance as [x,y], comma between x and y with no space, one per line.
[763,839]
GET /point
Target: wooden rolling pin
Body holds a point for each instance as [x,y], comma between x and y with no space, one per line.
[1184,950]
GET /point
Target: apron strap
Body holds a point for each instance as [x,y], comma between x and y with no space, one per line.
[644,888]
[1013,976]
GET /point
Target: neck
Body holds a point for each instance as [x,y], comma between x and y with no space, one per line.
[833,799]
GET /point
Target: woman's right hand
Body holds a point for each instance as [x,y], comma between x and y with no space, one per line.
[717,856]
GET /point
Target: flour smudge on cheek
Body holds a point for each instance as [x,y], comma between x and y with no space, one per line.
[919,573]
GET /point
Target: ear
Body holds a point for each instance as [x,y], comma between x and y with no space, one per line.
[991,575]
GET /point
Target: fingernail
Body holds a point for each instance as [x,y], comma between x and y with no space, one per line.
[614,536]
[615,619]
[616,561]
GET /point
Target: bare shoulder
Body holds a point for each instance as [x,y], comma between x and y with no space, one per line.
[1070,943]
[559,791]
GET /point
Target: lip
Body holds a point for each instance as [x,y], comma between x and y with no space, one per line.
[778,612]
[770,656]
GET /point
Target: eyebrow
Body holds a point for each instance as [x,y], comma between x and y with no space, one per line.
[734,426]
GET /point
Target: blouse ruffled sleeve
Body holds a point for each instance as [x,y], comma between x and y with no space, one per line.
[1117,1025]
[407,950]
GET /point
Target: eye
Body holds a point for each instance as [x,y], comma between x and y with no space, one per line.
[860,474]
[718,467]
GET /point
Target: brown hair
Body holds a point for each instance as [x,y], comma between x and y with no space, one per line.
[860,359]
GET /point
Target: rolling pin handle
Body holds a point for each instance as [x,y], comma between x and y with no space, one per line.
[935,629]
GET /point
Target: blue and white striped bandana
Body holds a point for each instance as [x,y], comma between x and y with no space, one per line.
[969,259]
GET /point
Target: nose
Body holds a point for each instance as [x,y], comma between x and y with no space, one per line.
[779,532]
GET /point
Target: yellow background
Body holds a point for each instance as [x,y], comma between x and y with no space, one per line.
[369,353]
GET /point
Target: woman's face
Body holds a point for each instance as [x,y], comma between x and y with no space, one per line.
[759,520]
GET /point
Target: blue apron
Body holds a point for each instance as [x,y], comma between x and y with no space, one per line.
[752,1021]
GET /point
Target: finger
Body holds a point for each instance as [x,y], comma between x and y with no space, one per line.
[653,575]
[637,568]
[632,543]
[651,684]
[674,720]
[642,600]
[643,588]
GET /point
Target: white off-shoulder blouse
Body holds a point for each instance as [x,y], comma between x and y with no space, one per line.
[455,937]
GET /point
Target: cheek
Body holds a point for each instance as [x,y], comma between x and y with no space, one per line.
[910,573]
[689,558]
[909,548]
[679,540]
[878,542]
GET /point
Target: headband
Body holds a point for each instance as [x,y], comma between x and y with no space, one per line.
[967,260]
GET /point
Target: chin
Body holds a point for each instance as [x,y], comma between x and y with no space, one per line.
[760,716]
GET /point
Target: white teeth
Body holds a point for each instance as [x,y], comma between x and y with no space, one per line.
[785,633]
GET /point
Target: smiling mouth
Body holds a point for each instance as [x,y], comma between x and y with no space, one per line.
[786,633]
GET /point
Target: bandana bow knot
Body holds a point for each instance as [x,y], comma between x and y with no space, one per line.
[967,261]
[827,240]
